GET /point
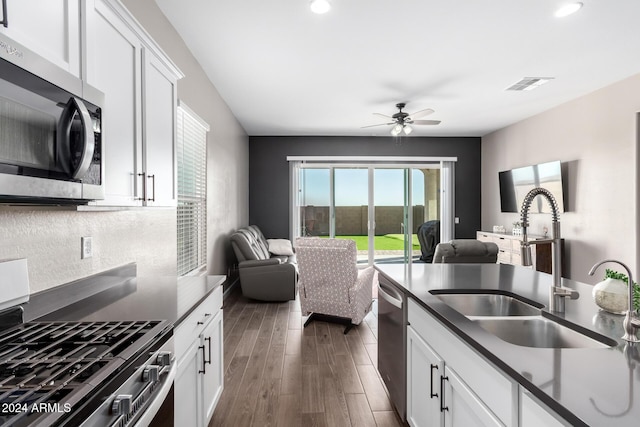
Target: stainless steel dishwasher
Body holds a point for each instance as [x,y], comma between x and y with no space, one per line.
[392,342]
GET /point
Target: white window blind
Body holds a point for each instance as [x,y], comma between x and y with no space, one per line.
[192,190]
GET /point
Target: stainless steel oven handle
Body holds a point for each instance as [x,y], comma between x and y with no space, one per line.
[395,301]
[159,398]
[88,146]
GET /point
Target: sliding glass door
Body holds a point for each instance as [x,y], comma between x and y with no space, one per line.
[381,207]
[391,232]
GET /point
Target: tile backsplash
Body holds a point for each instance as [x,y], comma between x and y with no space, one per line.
[50,239]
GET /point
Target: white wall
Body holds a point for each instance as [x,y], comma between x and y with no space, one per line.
[227,142]
[596,137]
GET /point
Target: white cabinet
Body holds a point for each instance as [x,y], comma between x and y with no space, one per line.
[139,115]
[534,413]
[212,375]
[50,28]
[199,350]
[461,406]
[424,373]
[115,43]
[159,137]
[448,384]
[186,388]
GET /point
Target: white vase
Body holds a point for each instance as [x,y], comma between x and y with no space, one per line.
[611,295]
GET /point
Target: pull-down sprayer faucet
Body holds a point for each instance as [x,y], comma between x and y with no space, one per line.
[557,293]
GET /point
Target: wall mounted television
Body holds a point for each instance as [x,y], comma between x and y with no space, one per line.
[516,183]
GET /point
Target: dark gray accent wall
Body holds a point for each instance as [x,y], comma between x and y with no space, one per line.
[269,172]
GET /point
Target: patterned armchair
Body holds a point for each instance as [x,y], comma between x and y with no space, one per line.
[330,284]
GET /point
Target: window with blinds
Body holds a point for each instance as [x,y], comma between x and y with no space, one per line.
[192,190]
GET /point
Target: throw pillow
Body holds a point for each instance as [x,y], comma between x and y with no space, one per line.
[280,247]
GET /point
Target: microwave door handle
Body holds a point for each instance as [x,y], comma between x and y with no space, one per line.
[4,21]
[88,146]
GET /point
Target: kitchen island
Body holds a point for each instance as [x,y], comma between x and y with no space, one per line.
[579,386]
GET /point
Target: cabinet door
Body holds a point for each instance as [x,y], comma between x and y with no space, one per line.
[159,115]
[212,380]
[114,67]
[534,414]
[50,28]
[187,406]
[463,407]
[424,369]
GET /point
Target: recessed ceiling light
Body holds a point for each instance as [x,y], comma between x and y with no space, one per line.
[568,9]
[320,6]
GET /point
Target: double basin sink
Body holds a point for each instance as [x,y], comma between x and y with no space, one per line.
[521,322]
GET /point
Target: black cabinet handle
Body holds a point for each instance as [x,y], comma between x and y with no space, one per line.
[153,187]
[204,362]
[144,186]
[431,384]
[209,339]
[442,407]
[4,21]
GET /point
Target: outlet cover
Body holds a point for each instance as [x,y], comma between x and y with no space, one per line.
[87,247]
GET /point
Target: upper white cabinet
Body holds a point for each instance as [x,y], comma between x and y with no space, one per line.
[109,42]
[139,114]
[50,28]
[159,118]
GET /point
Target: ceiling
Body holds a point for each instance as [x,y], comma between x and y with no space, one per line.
[284,70]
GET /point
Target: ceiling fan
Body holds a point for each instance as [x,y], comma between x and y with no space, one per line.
[401,120]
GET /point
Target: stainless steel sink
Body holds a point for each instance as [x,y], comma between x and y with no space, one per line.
[540,332]
[472,304]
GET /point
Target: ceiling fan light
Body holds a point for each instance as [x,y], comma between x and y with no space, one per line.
[320,6]
[395,131]
[407,129]
[568,9]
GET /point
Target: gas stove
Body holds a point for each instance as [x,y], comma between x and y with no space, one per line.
[83,373]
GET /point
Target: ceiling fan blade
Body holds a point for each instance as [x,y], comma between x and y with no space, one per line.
[380,124]
[421,113]
[425,122]
[383,115]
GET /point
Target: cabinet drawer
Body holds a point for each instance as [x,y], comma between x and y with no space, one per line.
[190,328]
[484,237]
[515,245]
[516,259]
[503,243]
[495,390]
[504,257]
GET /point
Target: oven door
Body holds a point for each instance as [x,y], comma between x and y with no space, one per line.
[160,412]
[144,396]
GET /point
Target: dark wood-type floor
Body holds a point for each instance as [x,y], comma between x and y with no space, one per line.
[278,373]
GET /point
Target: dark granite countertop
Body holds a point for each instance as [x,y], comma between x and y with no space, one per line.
[119,295]
[585,386]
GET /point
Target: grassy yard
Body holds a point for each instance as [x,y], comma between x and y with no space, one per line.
[387,242]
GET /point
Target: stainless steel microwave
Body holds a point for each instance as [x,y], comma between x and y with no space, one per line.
[50,132]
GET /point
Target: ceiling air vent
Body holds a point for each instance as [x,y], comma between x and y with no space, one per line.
[529,83]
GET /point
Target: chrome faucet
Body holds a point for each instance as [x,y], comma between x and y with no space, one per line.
[557,293]
[631,321]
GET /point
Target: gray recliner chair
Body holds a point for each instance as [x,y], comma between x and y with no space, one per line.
[263,276]
[466,251]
